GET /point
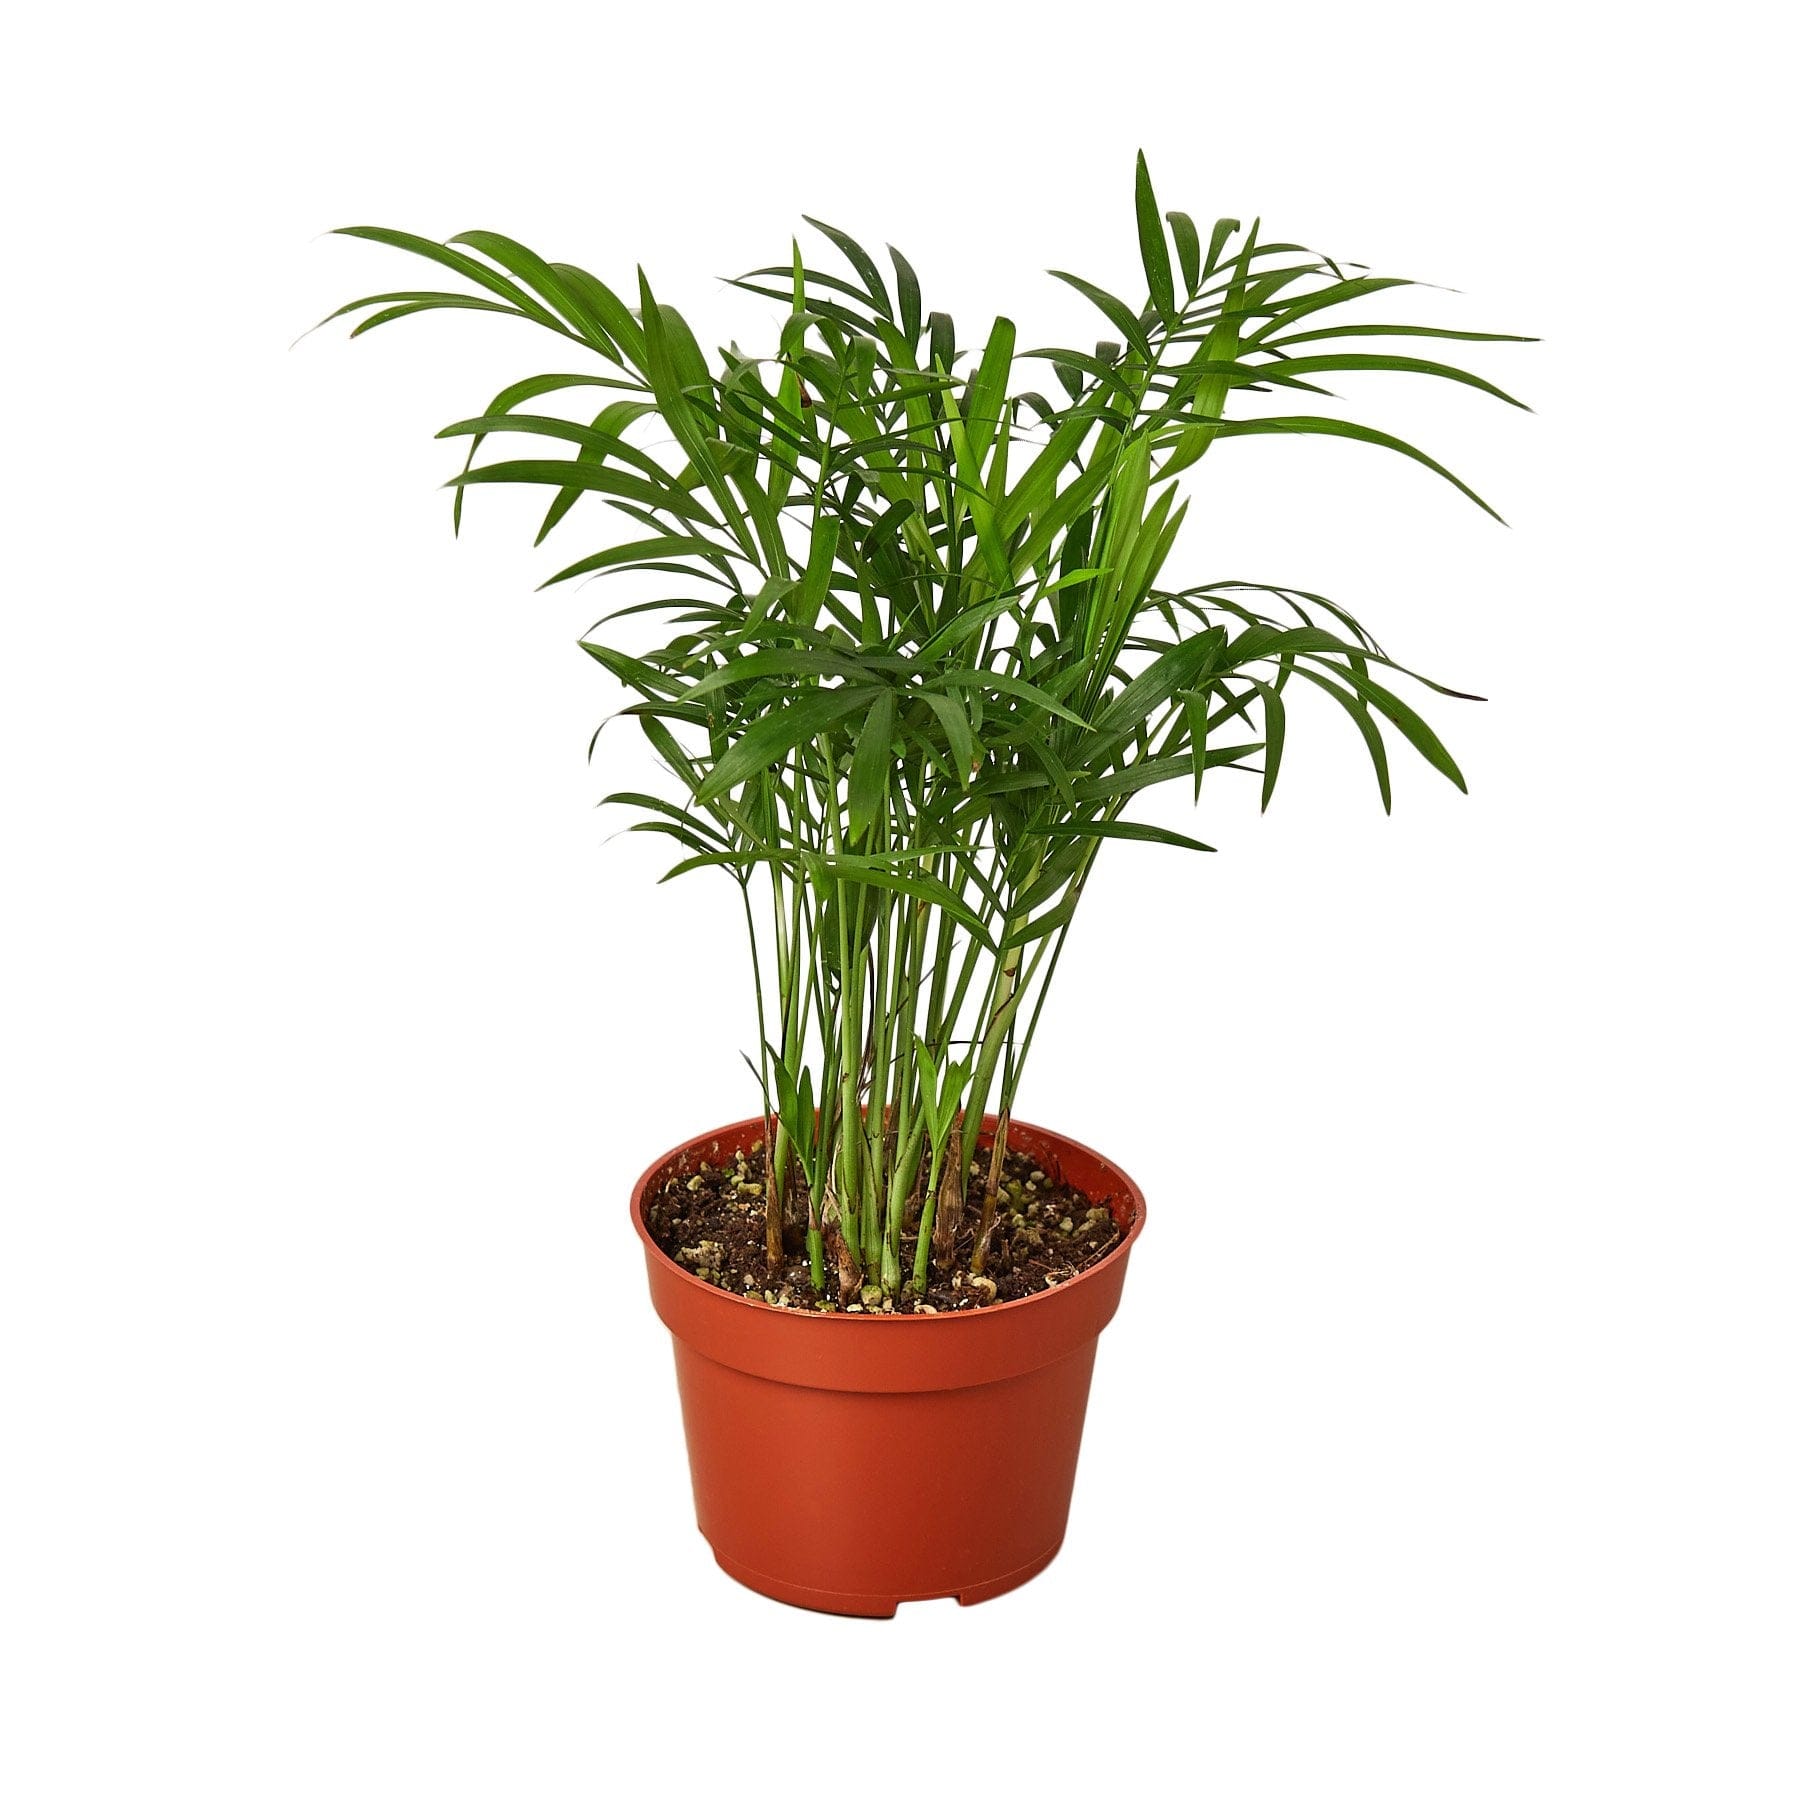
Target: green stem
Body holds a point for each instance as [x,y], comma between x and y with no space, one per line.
[928,1218]
[771,1188]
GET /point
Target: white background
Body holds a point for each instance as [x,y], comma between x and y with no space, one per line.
[1446,1443]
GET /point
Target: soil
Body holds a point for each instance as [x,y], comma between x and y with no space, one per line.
[709,1218]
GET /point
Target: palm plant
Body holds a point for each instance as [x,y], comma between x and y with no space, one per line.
[919,660]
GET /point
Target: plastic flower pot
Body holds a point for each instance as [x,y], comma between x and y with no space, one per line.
[847,1462]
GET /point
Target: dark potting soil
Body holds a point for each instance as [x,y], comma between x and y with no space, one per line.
[709,1217]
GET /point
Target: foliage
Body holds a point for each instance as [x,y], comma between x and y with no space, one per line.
[920,659]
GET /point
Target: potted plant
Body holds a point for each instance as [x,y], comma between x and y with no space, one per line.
[917,660]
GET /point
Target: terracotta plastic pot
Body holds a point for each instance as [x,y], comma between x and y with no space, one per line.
[848,1461]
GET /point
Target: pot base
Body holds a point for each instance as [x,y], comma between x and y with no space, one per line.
[874,1606]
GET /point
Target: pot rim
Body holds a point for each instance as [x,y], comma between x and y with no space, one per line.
[1129,1190]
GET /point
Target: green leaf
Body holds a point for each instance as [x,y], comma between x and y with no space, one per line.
[943,342]
[1177,667]
[1320,298]
[684,835]
[1153,247]
[760,664]
[1121,828]
[1301,425]
[400,305]
[1194,710]
[987,388]
[1359,715]
[642,553]
[776,733]
[1425,331]
[635,673]
[821,554]
[907,280]
[1221,235]
[544,281]
[993,681]
[571,473]
[1044,923]
[957,733]
[869,769]
[1264,640]
[919,887]
[606,306]
[459,302]
[468,266]
[503,402]
[1406,365]
[676,369]
[598,441]
[860,260]
[970,486]
[652,803]
[1408,724]
[1123,319]
[1037,486]
[1187,247]
[1274,737]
